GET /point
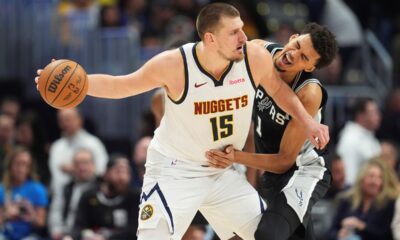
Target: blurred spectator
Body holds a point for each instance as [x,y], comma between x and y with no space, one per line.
[377,15]
[357,143]
[366,209]
[254,23]
[73,137]
[283,33]
[110,212]
[338,178]
[390,154]
[134,12]
[110,16]
[179,27]
[390,128]
[139,160]
[332,73]
[64,206]
[30,133]
[195,232]
[7,129]
[77,18]
[341,20]
[188,8]
[10,106]
[23,200]
[160,13]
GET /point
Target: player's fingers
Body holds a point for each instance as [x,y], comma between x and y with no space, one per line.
[37,83]
[39,71]
[220,153]
[314,141]
[324,137]
[214,155]
[53,59]
[217,160]
[229,149]
[214,163]
[218,164]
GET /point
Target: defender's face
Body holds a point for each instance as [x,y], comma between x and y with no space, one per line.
[230,38]
[297,55]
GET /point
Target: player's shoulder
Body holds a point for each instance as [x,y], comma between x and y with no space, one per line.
[164,64]
[169,57]
[312,92]
[256,52]
[266,44]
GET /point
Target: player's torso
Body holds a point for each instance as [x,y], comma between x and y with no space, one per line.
[211,113]
[270,121]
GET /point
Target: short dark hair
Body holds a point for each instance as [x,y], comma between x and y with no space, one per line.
[324,42]
[115,158]
[210,15]
[360,106]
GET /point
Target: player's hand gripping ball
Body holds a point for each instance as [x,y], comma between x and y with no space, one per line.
[63,84]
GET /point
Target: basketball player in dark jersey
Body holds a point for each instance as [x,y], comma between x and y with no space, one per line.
[295,175]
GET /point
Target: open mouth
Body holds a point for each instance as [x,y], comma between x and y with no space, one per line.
[239,48]
[286,59]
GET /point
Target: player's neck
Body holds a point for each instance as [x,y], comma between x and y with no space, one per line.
[211,61]
[288,77]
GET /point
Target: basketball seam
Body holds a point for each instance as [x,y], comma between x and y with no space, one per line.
[47,80]
[65,84]
[86,81]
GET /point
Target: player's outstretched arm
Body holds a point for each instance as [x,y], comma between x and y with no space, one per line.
[291,143]
[154,73]
[264,73]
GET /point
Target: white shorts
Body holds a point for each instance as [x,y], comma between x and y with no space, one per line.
[226,200]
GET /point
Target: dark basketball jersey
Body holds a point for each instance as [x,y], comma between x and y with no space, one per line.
[270,120]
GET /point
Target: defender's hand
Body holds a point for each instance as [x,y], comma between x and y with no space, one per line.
[318,134]
[221,159]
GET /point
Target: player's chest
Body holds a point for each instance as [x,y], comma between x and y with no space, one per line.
[267,111]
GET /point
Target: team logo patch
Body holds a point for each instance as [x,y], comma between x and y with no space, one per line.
[264,104]
[147,212]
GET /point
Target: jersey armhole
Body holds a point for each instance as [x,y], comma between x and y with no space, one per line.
[246,60]
[185,90]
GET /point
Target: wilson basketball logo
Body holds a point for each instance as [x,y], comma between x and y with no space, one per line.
[57,79]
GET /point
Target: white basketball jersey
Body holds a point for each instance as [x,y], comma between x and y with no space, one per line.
[210,114]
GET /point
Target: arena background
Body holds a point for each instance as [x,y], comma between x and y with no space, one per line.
[118,36]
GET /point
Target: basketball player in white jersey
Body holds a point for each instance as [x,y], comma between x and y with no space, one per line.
[295,175]
[210,87]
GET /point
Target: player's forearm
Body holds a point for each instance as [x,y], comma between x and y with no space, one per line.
[290,103]
[107,86]
[275,163]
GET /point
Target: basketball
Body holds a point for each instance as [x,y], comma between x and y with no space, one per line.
[63,84]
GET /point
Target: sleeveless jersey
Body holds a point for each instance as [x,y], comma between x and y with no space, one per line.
[270,120]
[210,114]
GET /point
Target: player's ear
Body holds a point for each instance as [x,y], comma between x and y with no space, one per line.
[209,37]
[309,69]
[293,36]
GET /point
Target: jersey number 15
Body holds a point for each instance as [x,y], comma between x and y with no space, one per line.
[222,126]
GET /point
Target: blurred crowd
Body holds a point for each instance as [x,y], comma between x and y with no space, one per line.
[161,23]
[68,183]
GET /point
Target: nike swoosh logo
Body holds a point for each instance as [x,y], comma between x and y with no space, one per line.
[196,85]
